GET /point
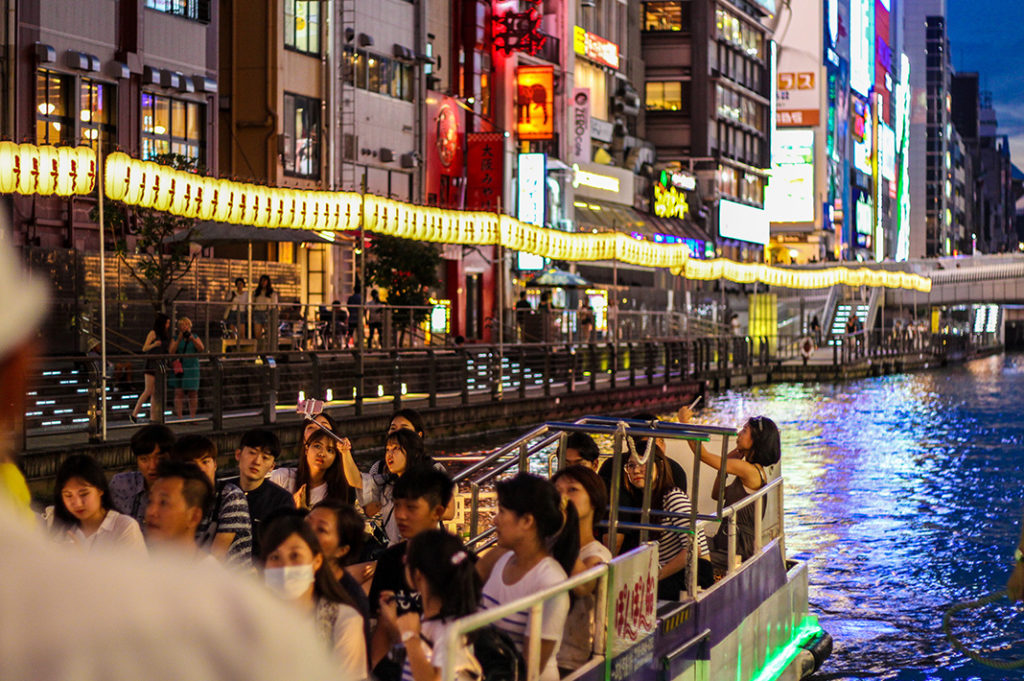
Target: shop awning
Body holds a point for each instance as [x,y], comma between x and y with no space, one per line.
[605,216]
[208,233]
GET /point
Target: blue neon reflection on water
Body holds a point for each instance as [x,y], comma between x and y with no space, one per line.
[907,491]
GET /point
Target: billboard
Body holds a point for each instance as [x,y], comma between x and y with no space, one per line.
[484,170]
[535,110]
[790,194]
[532,173]
[798,67]
[742,222]
[862,46]
[886,151]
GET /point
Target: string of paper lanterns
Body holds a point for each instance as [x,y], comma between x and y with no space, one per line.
[66,171]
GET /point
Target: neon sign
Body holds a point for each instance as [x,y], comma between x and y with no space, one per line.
[519,31]
[595,48]
[669,202]
[594,180]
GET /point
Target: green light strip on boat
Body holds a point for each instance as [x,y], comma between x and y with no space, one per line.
[807,630]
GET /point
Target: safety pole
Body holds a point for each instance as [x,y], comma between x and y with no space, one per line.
[103,287]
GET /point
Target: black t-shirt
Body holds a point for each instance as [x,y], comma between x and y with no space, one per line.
[389,575]
[263,501]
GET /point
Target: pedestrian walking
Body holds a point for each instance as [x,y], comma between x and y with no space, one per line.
[157,341]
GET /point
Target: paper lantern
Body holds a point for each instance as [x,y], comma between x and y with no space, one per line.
[8,167]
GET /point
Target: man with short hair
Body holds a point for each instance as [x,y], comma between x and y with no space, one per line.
[225,529]
[421,496]
[129,491]
[256,454]
[104,619]
[179,497]
[581,450]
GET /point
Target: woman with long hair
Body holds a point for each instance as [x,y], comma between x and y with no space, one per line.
[263,298]
[585,491]
[341,531]
[352,474]
[754,462]
[438,566]
[319,476]
[404,450]
[83,513]
[294,567]
[157,341]
[541,539]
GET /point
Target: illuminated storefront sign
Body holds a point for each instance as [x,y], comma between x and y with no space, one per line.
[581,125]
[532,171]
[886,152]
[790,194]
[605,183]
[862,134]
[862,45]
[535,102]
[742,222]
[865,223]
[515,31]
[903,145]
[669,202]
[595,48]
[586,178]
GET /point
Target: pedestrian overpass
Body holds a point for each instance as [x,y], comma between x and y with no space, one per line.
[996,279]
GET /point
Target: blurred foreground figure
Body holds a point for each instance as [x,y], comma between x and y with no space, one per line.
[114,617]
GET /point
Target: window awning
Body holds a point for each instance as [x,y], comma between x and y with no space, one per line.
[605,216]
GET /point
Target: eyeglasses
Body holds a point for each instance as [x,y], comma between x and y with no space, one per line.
[633,466]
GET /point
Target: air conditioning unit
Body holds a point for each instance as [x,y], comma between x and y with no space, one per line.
[386,155]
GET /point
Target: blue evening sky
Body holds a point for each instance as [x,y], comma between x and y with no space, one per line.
[987,36]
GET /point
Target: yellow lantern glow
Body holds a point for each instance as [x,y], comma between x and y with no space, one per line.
[8,164]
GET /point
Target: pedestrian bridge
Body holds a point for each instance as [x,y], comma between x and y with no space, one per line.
[985,279]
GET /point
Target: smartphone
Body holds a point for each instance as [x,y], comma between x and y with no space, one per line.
[310,408]
[408,601]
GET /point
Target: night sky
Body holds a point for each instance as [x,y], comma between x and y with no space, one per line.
[987,36]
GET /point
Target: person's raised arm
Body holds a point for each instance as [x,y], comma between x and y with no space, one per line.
[744,470]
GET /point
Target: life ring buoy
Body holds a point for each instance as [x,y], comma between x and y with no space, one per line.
[806,347]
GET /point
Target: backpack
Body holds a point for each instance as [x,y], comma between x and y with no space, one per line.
[497,654]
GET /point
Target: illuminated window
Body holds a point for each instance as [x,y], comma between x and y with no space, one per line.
[198,10]
[96,112]
[301,136]
[589,76]
[302,26]
[54,123]
[666,16]
[171,126]
[378,74]
[664,96]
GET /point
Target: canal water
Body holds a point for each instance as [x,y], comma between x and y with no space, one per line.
[907,491]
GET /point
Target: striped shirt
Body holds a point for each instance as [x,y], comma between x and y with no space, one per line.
[545,574]
[231,515]
[671,543]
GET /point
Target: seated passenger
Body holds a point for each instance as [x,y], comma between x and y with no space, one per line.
[586,492]
[581,450]
[294,567]
[178,500]
[256,454]
[340,529]
[441,570]
[404,451]
[226,529]
[754,462]
[673,546]
[542,544]
[82,513]
[129,491]
[420,498]
[320,474]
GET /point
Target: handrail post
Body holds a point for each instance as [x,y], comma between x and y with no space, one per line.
[730,535]
[474,506]
[360,381]
[669,356]
[159,397]
[464,370]
[758,507]
[396,379]
[218,392]
[649,357]
[593,365]
[632,364]
[271,378]
[547,369]
[318,386]
[563,438]
[533,653]
[782,518]
[613,363]
[524,458]
[613,501]
[571,369]
[432,377]
[521,353]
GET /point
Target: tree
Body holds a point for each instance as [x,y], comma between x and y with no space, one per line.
[160,263]
[407,270]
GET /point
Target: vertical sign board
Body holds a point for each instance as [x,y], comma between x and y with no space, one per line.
[444,158]
[581,125]
[797,84]
[535,103]
[532,171]
[633,615]
[484,170]
[862,46]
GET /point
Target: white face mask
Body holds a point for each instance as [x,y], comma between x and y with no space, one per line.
[289,582]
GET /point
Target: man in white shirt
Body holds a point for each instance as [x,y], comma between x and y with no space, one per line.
[66,615]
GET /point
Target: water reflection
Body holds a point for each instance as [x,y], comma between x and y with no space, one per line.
[906,490]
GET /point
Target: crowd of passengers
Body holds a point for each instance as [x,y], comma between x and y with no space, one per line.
[366,555]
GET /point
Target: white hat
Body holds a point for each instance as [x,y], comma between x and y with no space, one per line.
[25,299]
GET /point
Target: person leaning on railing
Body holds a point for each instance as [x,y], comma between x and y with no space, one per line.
[753,462]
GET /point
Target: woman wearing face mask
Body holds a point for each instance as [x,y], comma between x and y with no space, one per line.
[319,475]
[754,462]
[82,512]
[437,566]
[294,568]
